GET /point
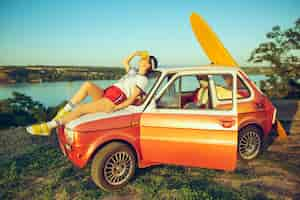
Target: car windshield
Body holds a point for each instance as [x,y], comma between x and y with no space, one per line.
[152,80]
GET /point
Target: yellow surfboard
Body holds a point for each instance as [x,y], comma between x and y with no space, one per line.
[210,42]
[217,53]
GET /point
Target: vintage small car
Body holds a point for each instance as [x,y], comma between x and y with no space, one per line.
[204,116]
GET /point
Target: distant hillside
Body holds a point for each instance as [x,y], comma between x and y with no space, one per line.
[258,70]
[17,74]
[32,74]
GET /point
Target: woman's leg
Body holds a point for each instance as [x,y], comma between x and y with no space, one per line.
[100,105]
[87,89]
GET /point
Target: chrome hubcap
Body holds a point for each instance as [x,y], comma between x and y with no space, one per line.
[249,145]
[118,168]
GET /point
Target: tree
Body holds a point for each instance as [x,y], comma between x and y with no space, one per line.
[21,110]
[281,51]
[19,74]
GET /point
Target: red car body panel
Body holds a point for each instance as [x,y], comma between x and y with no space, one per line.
[87,143]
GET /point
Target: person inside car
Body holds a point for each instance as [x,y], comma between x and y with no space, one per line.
[201,94]
[200,97]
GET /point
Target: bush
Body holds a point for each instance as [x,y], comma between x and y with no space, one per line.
[21,110]
[280,51]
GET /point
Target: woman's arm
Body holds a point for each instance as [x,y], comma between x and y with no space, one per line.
[136,92]
[127,60]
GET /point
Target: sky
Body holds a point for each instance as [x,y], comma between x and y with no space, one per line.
[103,33]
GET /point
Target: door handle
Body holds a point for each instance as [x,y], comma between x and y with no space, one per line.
[227,123]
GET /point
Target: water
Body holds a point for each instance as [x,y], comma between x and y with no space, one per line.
[257,79]
[51,94]
[48,93]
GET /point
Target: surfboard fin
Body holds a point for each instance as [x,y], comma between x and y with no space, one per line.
[280,131]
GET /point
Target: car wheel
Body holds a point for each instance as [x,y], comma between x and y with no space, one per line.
[250,142]
[113,166]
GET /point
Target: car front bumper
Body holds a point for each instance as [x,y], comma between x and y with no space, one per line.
[76,154]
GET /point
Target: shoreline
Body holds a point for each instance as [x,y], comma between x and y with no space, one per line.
[39,74]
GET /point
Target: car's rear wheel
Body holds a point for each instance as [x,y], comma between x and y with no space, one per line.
[250,142]
[113,166]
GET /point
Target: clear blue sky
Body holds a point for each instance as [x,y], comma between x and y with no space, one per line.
[96,32]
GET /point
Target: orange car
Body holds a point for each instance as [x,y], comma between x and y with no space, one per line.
[203,117]
[168,126]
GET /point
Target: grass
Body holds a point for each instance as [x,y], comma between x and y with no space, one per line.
[44,173]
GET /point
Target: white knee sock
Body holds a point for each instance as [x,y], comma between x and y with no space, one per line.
[69,106]
[53,124]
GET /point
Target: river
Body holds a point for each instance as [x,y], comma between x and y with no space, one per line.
[53,93]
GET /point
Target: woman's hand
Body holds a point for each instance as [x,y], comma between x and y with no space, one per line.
[126,62]
[142,54]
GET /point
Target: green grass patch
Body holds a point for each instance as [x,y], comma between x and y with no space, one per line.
[44,173]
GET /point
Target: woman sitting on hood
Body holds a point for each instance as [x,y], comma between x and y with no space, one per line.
[115,97]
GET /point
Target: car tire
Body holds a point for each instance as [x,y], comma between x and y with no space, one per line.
[113,166]
[250,142]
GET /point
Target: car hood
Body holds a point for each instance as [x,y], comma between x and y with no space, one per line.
[104,121]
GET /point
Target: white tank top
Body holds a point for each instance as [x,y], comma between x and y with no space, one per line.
[131,80]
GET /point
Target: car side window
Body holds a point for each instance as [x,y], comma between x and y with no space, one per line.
[182,94]
[170,97]
[223,85]
[242,90]
[183,91]
[152,79]
[164,83]
[189,83]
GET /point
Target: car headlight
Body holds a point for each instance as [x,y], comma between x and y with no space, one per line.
[70,135]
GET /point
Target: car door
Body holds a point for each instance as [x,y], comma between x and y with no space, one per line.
[200,137]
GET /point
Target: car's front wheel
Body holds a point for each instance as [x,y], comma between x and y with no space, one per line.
[250,142]
[113,166]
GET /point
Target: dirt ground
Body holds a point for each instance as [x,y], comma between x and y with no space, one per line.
[276,171]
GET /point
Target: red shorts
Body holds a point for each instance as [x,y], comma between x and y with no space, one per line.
[115,94]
